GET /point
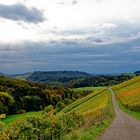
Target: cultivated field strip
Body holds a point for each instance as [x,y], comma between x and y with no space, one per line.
[95,105]
[129,95]
[81,101]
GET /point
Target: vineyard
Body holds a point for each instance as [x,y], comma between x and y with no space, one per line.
[128,94]
[96,105]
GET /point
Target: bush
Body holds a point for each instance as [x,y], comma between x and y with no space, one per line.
[59,106]
[49,110]
[21,111]
[66,101]
[44,127]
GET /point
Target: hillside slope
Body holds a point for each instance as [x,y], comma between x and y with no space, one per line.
[73,79]
[52,77]
[96,104]
[129,93]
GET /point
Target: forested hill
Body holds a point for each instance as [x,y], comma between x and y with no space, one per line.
[53,77]
[1,73]
[73,79]
[137,73]
[19,96]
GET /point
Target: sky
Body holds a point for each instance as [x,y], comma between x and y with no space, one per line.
[95,36]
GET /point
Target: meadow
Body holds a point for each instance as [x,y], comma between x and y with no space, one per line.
[12,118]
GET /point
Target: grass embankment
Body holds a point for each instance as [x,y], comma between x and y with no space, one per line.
[98,110]
[89,133]
[128,96]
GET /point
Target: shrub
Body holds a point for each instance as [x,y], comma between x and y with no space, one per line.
[44,127]
[49,110]
[59,106]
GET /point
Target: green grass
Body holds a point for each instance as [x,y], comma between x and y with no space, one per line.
[90,133]
[129,112]
[88,88]
[12,118]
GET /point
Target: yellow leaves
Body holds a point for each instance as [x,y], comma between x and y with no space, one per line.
[2,116]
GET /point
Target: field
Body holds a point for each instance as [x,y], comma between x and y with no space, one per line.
[12,118]
[80,101]
[128,94]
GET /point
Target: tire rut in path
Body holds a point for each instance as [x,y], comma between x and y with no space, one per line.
[124,127]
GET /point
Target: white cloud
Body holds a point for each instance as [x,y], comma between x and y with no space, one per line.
[92,17]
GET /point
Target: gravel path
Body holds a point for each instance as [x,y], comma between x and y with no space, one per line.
[124,127]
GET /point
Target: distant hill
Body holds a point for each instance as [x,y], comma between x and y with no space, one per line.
[21,76]
[1,74]
[52,77]
[73,79]
[137,73]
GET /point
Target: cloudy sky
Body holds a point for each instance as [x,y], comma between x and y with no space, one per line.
[96,36]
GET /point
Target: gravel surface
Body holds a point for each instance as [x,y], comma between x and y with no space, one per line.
[124,127]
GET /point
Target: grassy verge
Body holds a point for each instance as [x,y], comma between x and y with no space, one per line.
[129,112]
[90,133]
[12,118]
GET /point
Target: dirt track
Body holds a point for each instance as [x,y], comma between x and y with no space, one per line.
[124,127]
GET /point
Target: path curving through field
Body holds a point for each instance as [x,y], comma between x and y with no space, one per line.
[124,127]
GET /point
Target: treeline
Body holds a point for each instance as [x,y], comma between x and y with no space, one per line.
[101,80]
[17,96]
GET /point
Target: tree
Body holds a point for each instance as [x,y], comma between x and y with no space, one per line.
[6,102]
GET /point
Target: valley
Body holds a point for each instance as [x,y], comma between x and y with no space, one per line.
[92,111]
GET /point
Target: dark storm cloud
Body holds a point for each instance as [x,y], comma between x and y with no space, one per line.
[72,55]
[19,12]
